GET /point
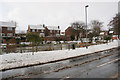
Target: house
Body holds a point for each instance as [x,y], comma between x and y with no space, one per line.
[8,31]
[20,34]
[62,33]
[49,33]
[40,29]
[53,31]
[113,35]
[73,32]
[70,32]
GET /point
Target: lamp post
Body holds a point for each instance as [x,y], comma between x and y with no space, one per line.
[86,24]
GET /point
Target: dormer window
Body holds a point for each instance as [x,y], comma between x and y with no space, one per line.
[9,28]
[33,30]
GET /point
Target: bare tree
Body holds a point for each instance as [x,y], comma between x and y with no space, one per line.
[96,27]
[115,23]
[79,26]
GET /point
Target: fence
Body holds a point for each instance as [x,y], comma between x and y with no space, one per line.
[42,47]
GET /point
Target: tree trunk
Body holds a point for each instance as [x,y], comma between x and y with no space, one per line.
[36,48]
[32,49]
[20,48]
[61,46]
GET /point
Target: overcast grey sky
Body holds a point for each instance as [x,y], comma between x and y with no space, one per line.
[56,13]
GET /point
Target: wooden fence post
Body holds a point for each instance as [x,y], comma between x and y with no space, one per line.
[20,48]
[61,46]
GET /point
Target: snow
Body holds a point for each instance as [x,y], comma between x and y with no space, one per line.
[21,59]
[7,24]
[36,27]
[111,31]
[102,33]
[53,28]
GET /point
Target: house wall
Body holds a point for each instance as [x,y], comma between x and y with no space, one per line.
[69,32]
[46,31]
[5,31]
[12,40]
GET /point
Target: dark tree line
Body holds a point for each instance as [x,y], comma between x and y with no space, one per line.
[115,23]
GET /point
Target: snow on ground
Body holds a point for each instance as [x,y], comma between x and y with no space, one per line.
[21,59]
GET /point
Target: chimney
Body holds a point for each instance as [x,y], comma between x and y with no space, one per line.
[58,27]
[44,25]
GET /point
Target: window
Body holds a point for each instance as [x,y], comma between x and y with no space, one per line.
[41,34]
[57,34]
[3,34]
[33,30]
[58,31]
[37,30]
[9,28]
[42,30]
[9,34]
[51,31]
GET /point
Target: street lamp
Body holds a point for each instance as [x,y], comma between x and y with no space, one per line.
[86,24]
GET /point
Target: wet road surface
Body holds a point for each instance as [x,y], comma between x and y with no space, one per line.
[105,67]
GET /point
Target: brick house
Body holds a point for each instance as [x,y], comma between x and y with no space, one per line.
[37,29]
[8,31]
[49,33]
[52,33]
[20,34]
[70,31]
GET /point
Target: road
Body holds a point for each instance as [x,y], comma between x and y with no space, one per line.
[99,65]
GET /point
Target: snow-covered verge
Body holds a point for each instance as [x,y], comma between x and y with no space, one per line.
[13,60]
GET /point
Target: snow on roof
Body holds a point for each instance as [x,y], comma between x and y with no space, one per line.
[36,26]
[53,28]
[110,31]
[62,33]
[20,31]
[102,33]
[7,24]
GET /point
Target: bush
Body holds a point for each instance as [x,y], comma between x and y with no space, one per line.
[107,38]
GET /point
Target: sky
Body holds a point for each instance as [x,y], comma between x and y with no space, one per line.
[56,12]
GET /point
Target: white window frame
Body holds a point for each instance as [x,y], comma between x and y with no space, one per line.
[37,30]
[10,35]
[3,33]
[57,34]
[58,31]
[42,34]
[50,31]
[33,30]
[42,30]
[9,28]
[53,31]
